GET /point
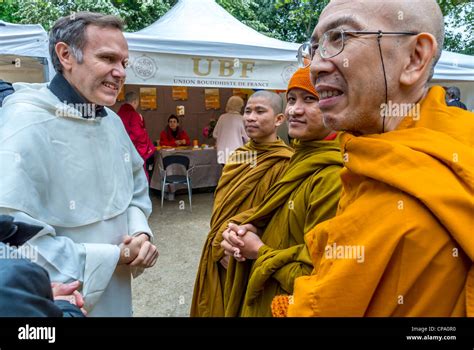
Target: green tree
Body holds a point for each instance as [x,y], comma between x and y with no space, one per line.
[136,14]
[140,14]
[288,20]
[296,19]
[246,11]
[8,10]
[459,25]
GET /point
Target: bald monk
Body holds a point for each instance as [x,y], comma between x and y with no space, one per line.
[407,202]
[247,176]
[272,234]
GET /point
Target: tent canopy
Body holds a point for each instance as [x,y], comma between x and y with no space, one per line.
[198,43]
[23,39]
[24,52]
[454,67]
[202,27]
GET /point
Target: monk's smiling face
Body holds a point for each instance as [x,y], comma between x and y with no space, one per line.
[304,116]
[351,84]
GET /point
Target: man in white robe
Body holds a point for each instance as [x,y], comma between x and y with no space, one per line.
[68,165]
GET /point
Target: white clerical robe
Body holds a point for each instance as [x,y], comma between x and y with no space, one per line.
[83,181]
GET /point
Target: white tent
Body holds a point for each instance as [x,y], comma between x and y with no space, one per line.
[454,69]
[24,53]
[198,43]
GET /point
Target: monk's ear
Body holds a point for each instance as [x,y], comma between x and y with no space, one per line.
[64,53]
[279,119]
[422,52]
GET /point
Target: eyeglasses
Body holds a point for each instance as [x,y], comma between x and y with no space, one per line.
[332,44]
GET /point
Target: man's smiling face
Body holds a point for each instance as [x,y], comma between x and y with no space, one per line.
[351,85]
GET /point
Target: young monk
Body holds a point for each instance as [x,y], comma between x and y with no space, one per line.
[307,194]
[247,176]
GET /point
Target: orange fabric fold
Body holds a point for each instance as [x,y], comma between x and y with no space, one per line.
[402,242]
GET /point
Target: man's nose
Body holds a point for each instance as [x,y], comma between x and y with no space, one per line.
[320,66]
[251,116]
[119,71]
[297,108]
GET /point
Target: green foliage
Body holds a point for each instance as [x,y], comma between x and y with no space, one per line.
[459,24]
[140,14]
[8,10]
[297,19]
[136,14]
[288,20]
[248,12]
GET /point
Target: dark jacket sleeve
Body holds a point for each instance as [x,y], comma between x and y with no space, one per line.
[68,309]
[25,287]
[25,291]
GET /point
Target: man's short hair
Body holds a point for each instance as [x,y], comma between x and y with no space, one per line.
[130,97]
[275,100]
[72,31]
[454,92]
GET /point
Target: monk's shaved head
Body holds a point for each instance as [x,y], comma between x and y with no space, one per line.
[274,100]
[368,71]
[420,16]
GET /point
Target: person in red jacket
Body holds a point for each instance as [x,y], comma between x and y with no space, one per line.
[173,135]
[135,126]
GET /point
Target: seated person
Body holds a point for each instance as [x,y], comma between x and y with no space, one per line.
[173,135]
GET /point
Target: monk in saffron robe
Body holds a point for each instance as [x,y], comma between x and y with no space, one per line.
[407,200]
[246,178]
[307,194]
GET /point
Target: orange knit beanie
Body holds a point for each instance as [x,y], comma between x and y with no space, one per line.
[302,80]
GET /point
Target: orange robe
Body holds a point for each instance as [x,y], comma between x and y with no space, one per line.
[243,185]
[408,203]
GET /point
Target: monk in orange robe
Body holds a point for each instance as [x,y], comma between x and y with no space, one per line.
[246,178]
[402,242]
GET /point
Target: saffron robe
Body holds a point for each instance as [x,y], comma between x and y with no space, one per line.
[307,194]
[246,178]
[408,201]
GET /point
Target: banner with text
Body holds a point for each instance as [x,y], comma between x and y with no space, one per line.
[183,70]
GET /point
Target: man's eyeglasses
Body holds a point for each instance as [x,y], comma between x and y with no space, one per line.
[332,44]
